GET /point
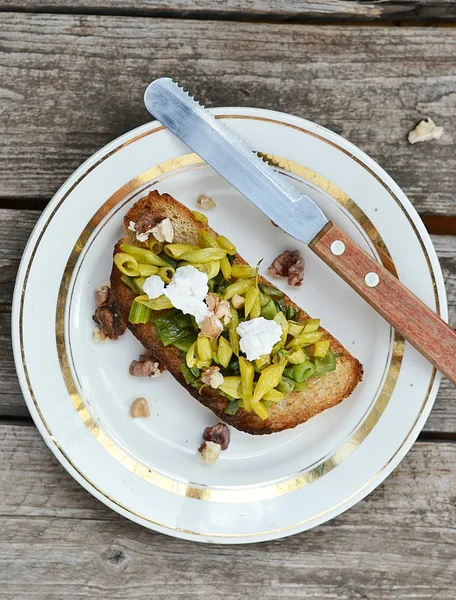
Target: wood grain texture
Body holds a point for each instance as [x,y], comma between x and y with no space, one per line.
[333,10]
[72,83]
[58,541]
[426,331]
[15,227]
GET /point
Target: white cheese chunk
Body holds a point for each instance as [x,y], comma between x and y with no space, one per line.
[153,286]
[258,336]
[187,291]
[141,237]
[163,231]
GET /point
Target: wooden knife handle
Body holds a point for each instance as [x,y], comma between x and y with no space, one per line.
[415,321]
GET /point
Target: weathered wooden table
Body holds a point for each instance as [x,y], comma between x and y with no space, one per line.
[72,74]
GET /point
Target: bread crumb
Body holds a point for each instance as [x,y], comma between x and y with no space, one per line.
[209,452]
[140,408]
[99,336]
[425,131]
[205,202]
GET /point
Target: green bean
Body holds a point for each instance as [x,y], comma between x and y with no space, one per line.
[224,352]
[147,270]
[206,240]
[306,339]
[200,217]
[291,313]
[160,303]
[273,396]
[232,333]
[203,255]
[139,313]
[286,385]
[268,380]
[250,298]
[242,271]
[144,256]
[224,243]
[239,287]
[177,250]
[269,311]
[295,328]
[311,325]
[203,347]
[232,408]
[303,371]
[211,268]
[226,268]
[126,264]
[166,273]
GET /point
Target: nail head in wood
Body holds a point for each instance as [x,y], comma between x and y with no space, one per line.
[337,247]
[372,279]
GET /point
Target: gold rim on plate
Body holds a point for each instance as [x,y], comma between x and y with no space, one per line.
[204,493]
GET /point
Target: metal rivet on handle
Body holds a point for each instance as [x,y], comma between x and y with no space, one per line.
[372,279]
[337,247]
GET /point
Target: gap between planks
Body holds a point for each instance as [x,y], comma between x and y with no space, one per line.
[435,224]
[424,436]
[305,17]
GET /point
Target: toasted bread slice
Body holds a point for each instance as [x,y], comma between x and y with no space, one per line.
[294,408]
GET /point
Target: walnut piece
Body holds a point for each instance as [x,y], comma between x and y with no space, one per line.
[289,264]
[109,322]
[237,301]
[212,300]
[146,366]
[163,231]
[103,296]
[221,308]
[140,408]
[205,202]
[211,327]
[209,452]
[213,377]
[223,311]
[425,131]
[220,434]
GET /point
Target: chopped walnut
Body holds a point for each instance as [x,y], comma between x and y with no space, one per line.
[109,321]
[237,301]
[223,311]
[289,264]
[209,452]
[98,335]
[221,308]
[212,300]
[220,434]
[205,202]
[163,231]
[103,296]
[140,408]
[146,366]
[211,327]
[213,377]
[425,131]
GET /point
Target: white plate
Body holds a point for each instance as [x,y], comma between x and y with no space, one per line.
[79,393]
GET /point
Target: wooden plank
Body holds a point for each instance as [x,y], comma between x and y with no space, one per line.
[15,227]
[88,74]
[398,543]
[333,10]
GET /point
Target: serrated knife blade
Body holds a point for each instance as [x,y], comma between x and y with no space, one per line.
[220,148]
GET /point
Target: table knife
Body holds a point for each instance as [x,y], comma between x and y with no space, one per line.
[299,216]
